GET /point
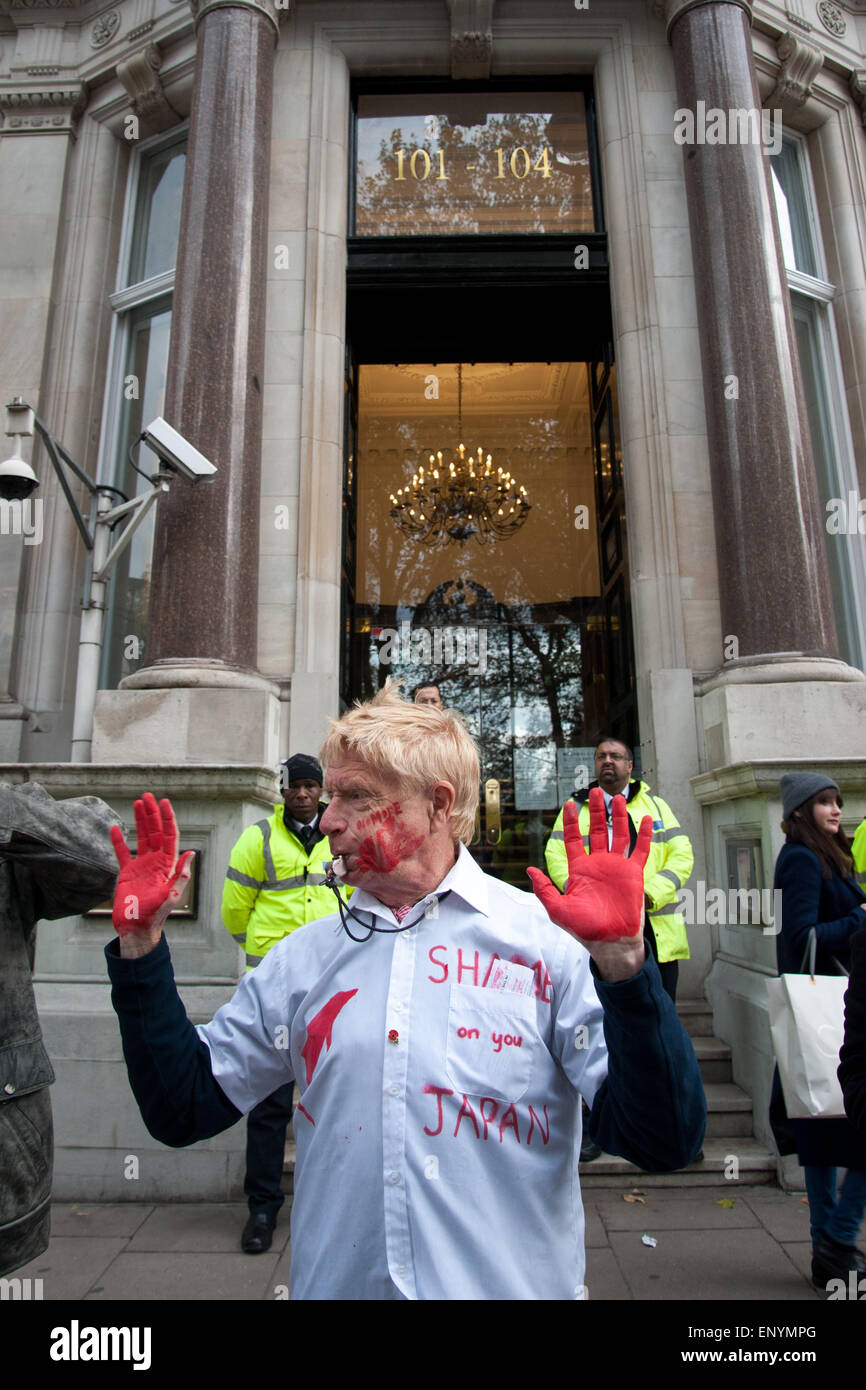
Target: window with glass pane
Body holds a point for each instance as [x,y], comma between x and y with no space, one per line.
[126,628]
[823,386]
[489,163]
[140,361]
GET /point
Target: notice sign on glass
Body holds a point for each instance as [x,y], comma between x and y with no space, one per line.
[494,163]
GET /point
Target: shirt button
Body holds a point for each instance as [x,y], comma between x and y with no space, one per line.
[394,1090]
[398,1008]
[393,1179]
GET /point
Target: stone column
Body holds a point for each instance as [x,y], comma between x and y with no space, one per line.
[773,578]
[205,564]
[200,698]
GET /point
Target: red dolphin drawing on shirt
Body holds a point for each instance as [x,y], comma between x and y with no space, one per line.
[319,1030]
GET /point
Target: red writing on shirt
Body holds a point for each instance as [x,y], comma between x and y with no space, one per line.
[483,1122]
[467,966]
[320,1029]
[496,1038]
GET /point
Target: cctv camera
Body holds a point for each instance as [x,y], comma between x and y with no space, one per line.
[17,479]
[177,452]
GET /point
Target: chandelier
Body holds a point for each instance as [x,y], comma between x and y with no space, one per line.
[462,500]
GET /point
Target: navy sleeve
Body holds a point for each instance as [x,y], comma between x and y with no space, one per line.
[798,875]
[852,1068]
[168,1064]
[651,1109]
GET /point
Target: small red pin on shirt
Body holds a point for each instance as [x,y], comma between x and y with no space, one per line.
[393,1035]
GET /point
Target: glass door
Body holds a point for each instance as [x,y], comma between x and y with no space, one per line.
[519,618]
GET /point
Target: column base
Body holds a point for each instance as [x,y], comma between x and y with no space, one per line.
[788,706]
[189,712]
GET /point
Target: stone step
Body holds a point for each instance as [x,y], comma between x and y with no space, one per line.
[753,1165]
[696,1017]
[729,1110]
[714,1059]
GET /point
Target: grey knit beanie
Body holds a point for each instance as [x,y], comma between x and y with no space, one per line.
[798,787]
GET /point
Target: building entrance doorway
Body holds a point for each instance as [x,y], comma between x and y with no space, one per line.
[521,619]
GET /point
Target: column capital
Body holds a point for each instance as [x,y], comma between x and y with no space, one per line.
[273,10]
[672,10]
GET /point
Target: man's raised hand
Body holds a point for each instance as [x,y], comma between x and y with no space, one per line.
[603,901]
[149,886]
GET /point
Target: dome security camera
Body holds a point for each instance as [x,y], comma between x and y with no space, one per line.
[17,479]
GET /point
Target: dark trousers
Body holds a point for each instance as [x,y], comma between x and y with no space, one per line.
[669,969]
[266,1142]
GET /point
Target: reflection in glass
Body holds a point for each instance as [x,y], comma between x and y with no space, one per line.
[158,215]
[497,162]
[126,628]
[505,630]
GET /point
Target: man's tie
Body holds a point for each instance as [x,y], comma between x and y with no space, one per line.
[307,836]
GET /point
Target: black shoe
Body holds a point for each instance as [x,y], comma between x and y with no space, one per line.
[588,1150]
[830,1260]
[258,1232]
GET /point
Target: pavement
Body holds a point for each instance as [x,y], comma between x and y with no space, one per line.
[746,1244]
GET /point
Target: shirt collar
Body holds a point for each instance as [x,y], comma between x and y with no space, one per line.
[464,879]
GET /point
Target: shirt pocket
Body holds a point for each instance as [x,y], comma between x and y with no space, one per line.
[491,1042]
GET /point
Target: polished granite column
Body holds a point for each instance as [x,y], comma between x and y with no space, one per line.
[775,594]
[204,595]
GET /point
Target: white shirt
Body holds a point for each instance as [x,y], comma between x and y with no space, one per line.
[442,1162]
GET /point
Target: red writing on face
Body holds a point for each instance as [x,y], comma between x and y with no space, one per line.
[468,967]
[320,1029]
[384,817]
[381,854]
[509,1119]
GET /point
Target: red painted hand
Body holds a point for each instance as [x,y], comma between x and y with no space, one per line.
[150,885]
[603,899]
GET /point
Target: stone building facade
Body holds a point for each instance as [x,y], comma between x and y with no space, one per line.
[694,335]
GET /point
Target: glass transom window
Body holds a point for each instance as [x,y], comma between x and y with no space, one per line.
[479,163]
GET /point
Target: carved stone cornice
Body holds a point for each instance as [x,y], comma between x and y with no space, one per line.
[274,10]
[801,62]
[140,76]
[672,10]
[42,111]
[471,39]
[857,84]
[41,4]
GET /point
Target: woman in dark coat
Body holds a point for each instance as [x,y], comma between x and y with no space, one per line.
[815,874]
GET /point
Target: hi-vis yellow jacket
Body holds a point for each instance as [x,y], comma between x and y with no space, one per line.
[667,870]
[858,850]
[273,885]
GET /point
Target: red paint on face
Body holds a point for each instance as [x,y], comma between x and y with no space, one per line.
[381,854]
[319,1031]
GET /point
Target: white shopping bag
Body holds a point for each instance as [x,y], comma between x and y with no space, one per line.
[807,1025]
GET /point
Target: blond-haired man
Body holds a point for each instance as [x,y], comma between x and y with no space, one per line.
[440,1043]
